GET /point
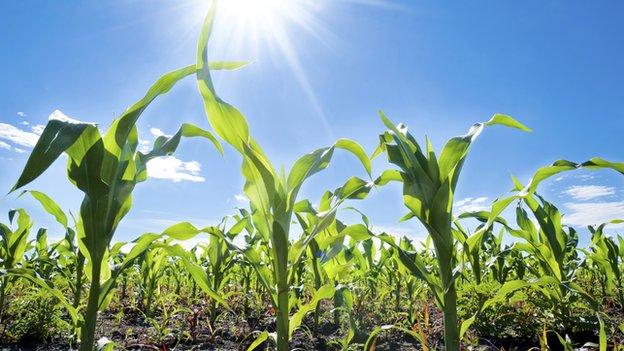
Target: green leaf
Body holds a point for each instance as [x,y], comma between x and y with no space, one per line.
[197,273]
[227,65]
[56,138]
[224,118]
[49,206]
[324,292]
[508,121]
[262,337]
[182,231]
[372,337]
[357,150]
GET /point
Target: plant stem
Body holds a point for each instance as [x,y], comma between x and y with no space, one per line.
[79,271]
[282,321]
[451,330]
[5,281]
[88,329]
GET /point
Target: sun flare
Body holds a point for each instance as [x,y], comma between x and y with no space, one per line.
[257,11]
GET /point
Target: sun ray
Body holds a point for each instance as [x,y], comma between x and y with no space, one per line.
[270,30]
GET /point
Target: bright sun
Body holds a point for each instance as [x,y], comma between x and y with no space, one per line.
[257,10]
[264,20]
[262,31]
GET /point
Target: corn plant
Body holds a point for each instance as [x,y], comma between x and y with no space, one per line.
[152,262]
[69,260]
[472,249]
[14,244]
[272,194]
[219,258]
[504,263]
[549,244]
[607,256]
[328,258]
[429,184]
[106,168]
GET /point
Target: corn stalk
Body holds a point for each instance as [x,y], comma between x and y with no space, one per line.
[106,168]
[429,185]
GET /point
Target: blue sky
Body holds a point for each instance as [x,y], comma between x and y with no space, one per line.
[436,66]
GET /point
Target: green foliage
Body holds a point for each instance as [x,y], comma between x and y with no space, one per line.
[287,269]
[429,184]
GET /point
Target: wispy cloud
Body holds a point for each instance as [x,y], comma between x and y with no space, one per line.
[241,199]
[174,169]
[157,132]
[4,146]
[592,213]
[17,136]
[144,145]
[37,129]
[585,177]
[399,231]
[60,116]
[588,192]
[470,204]
[28,139]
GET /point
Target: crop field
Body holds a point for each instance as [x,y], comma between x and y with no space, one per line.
[286,272]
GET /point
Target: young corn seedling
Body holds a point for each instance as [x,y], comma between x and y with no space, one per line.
[328,258]
[219,258]
[473,249]
[549,244]
[152,263]
[273,195]
[14,244]
[70,260]
[608,257]
[429,184]
[106,168]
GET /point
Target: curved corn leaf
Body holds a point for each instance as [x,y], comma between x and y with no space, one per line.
[371,342]
[262,337]
[323,293]
[49,206]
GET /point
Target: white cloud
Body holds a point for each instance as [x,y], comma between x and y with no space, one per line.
[585,177]
[18,150]
[4,146]
[17,136]
[60,116]
[174,169]
[241,199]
[21,114]
[592,213]
[470,204]
[588,192]
[157,132]
[399,232]
[37,129]
[24,123]
[144,145]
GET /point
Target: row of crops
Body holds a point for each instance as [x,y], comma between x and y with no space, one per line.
[515,281]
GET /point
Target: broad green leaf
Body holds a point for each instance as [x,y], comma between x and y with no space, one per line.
[262,337]
[357,150]
[56,138]
[49,206]
[181,231]
[324,292]
[507,121]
